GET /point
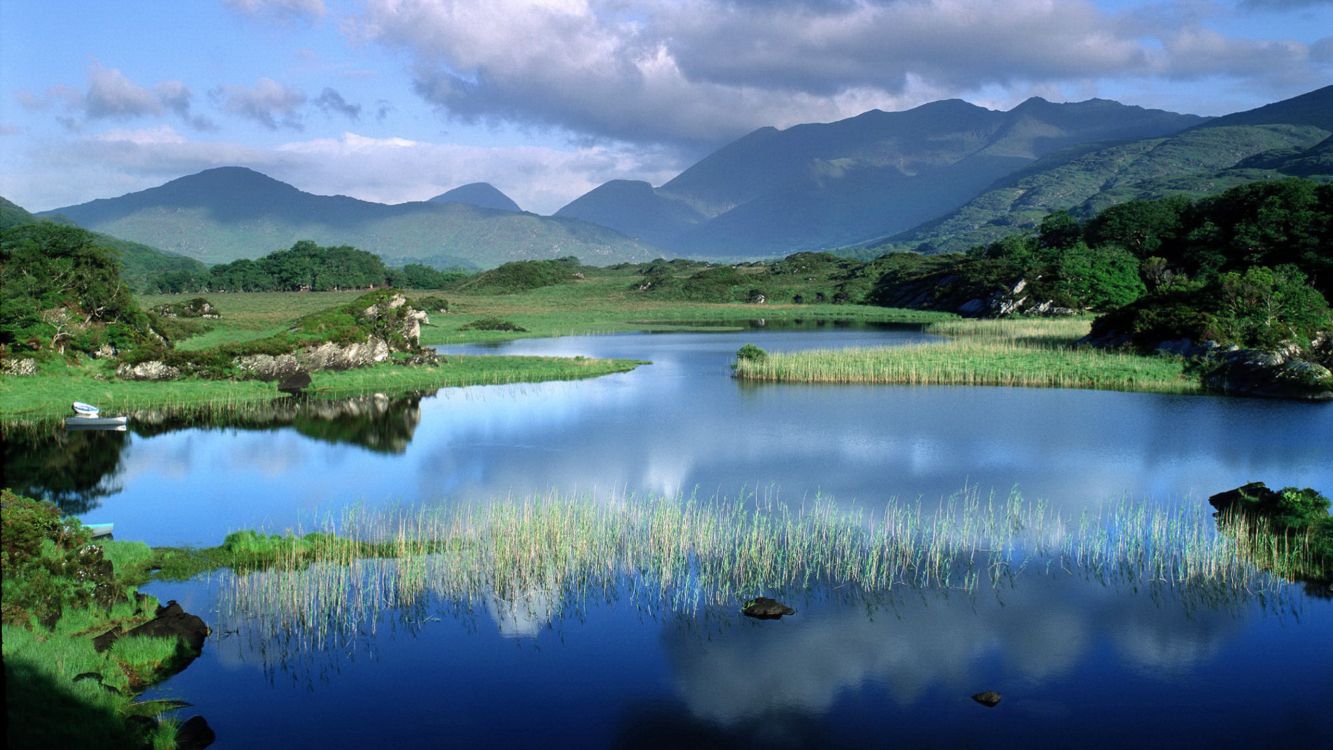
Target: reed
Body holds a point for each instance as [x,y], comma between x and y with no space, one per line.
[678,555]
[975,361]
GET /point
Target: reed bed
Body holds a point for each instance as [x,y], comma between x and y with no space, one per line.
[554,554]
[975,362]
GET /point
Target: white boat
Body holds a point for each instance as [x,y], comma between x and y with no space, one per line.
[96,423]
[85,410]
[100,529]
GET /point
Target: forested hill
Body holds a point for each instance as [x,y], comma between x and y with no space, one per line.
[138,263]
[1287,138]
[224,214]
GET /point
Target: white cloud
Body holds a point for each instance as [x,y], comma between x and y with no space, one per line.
[388,170]
[268,103]
[704,71]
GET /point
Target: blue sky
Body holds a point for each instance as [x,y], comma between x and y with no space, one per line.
[396,100]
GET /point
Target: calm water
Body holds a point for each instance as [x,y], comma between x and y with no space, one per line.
[1080,663]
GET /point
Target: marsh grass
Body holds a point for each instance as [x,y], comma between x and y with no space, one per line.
[679,555]
[1026,353]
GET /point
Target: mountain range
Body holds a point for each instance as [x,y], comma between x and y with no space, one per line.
[226,213]
[943,176]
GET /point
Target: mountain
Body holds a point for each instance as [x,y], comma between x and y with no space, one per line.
[138,262]
[1293,137]
[634,208]
[227,213]
[480,195]
[827,185]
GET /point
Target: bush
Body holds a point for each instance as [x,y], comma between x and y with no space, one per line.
[751,353]
[492,324]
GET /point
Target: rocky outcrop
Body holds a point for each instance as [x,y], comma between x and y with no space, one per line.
[1284,374]
[151,370]
[330,356]
[171,620]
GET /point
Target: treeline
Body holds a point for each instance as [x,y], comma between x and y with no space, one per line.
[1252,267]
[304,267]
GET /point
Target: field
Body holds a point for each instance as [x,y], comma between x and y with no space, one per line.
[1029,353]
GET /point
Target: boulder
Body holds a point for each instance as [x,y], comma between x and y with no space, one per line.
[153,369]
[295,382]
[763,608]
[194,734]
[170,620]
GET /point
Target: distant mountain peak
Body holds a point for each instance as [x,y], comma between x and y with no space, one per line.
[480,195]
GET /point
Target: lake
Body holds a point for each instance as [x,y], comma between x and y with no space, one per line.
[1081,661]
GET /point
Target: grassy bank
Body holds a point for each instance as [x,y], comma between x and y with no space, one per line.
[1029,353]
[601,303]
[50,393]
[60,592]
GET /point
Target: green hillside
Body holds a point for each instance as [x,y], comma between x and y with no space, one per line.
[1293,137]
[138,263]
[1198,162]
[225,214]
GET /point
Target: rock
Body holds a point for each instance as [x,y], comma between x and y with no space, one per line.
[15,366]
[150,370]
[989,699]
[194,734]
[268,366]
[105,351]
[330,356]
[169,620]
[1270,374]
[295,383]
[763,608]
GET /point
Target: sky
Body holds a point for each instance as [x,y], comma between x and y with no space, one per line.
[400,100]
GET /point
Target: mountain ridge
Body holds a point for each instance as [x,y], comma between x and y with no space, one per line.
[227,213]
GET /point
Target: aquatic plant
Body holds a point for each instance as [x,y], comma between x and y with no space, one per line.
[681,554]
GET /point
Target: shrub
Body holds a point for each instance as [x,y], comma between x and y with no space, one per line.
[751,353]
[492,324]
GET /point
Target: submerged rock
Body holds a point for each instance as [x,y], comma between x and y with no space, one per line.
[989,698]
[763,608]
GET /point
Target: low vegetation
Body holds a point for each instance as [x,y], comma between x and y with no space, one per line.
[1029,353]
[60,591]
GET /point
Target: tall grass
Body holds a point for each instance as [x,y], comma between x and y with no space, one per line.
[974,362]
[1012,352]
[681,554]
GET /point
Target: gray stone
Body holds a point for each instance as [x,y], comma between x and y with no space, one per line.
[150,370]
[18,366]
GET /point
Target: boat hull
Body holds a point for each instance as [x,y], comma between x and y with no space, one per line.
[96,423]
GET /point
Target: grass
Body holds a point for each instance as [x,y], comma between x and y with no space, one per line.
[1028,353]
[49,394]
[681,554]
